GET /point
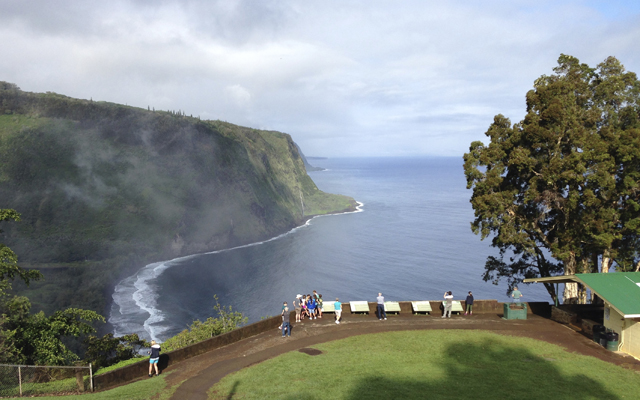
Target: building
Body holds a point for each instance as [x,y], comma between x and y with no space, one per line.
[620,292]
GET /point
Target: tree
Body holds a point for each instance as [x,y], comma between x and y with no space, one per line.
[9,268]
[34,338]
[108,350]
[560,190]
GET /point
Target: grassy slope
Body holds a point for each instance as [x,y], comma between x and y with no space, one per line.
[104,188]
[447,364]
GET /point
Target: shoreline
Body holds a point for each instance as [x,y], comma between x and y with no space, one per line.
[145,297]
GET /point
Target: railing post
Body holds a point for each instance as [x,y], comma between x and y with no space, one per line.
[20,380]
[91,376]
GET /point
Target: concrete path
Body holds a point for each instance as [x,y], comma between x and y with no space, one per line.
[200,373]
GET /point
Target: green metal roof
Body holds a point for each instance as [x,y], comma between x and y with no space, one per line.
[620,289]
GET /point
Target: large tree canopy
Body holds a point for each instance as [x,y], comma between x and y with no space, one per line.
[560,190]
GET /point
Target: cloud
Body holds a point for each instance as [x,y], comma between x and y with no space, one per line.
[343,78]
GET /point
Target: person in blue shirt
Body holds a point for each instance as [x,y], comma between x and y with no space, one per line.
[338,309]
[311,306]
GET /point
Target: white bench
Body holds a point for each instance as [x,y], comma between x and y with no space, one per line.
[328,306]
[456,307]
[421,306]
[359,306]
[392,307]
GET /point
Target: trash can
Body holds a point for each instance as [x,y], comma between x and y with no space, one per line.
[612,341]
[597,331]
[603,339]
[518,312]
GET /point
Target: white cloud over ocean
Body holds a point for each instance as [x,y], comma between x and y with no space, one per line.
[343,78]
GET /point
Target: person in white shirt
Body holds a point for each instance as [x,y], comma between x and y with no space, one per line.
[448,302]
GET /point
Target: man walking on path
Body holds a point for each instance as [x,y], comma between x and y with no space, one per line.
[337,306]
[380,309]
[516,295]
[286,325]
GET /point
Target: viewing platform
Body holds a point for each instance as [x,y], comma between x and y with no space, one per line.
[202,364]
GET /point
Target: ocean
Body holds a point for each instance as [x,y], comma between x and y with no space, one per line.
[410,239]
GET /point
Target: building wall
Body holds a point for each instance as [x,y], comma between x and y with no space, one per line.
[613,320]
[631,339]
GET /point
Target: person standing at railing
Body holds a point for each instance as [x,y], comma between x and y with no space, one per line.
[469,303]
[380,308]
[448,300]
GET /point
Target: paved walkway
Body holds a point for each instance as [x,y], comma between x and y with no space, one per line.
[200,373]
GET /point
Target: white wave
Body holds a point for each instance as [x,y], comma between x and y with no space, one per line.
[135,298]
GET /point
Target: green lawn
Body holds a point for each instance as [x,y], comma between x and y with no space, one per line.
[141,390]
[442,364]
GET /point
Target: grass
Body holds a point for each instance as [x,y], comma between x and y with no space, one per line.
[121,364]
[451,364]
[140,390]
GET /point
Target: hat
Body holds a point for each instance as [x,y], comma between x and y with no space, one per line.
[298,296]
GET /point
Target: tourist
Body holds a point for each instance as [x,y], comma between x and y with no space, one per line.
[154,356]
[303,304]
[286,325]
[298,307]
[469,303]
[516,295]
[448,303]
[284,305]
[338,310]
[315,299]
[319,306]
[311,306]
[380,311]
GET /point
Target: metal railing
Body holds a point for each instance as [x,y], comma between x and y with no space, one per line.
[27,380]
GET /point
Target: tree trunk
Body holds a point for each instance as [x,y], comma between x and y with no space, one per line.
[582,294]
[606,261]
[570,295]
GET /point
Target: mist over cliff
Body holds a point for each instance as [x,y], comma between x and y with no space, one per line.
[103,186]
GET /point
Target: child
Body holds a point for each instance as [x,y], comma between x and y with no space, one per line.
[469,303]
[154,356]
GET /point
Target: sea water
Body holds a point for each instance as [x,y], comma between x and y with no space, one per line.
[410,240]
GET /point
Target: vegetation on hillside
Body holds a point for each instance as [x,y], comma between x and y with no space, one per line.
[34,339]
[103,188]
[559,192]
[226,321]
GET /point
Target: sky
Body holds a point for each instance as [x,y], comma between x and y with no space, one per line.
[343,78]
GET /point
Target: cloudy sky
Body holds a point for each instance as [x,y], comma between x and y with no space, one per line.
[344,78]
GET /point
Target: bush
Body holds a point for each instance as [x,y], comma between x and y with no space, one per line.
[227,321]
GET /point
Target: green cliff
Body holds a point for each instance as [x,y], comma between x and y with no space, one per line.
[104,188]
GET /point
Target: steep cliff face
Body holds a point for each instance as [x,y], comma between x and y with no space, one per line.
[97,181]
